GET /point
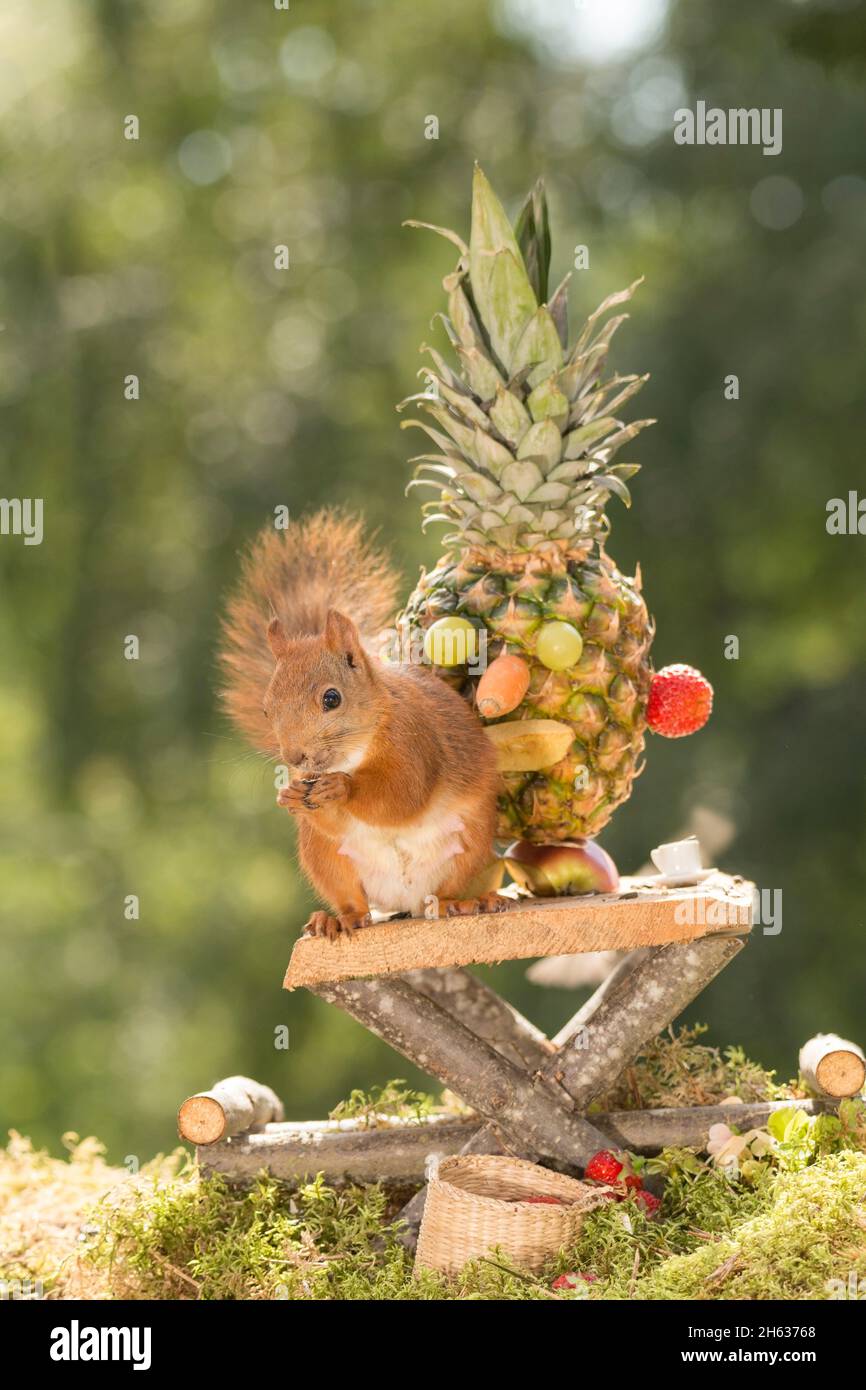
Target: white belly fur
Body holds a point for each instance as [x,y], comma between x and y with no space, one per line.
[401,867]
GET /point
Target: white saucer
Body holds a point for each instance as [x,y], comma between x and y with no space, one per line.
[679,880]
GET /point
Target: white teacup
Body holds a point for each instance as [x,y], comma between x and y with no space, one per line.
[679,859]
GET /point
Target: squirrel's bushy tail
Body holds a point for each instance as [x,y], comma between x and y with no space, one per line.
[321,562]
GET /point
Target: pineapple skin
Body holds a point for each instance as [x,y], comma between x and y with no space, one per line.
[603,697]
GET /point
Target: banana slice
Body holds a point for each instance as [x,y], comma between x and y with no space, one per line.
[527,745]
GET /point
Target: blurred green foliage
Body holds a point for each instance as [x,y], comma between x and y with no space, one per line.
[259,387]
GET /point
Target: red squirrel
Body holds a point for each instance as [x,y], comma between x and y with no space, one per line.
[394,780]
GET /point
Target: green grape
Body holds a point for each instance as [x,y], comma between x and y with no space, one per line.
[451,641]
[558,646]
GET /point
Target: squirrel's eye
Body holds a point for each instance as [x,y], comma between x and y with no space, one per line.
[331,699]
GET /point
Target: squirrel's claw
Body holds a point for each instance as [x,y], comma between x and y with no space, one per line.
[322,924]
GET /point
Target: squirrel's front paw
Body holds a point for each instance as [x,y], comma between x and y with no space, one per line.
[293,798]
[331,787]
[312,793]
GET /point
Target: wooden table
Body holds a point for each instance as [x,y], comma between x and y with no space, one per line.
[406,981]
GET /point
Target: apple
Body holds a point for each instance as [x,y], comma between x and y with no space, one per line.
[573,867]
[487,880]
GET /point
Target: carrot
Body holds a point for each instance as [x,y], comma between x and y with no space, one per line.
[503,686]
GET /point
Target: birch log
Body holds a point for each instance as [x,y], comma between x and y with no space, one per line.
[398,1152]
[646,998]
[832,1066]
[485,1012]
[231,1107]
[688,1126]
[344,1151]
[531,1113]
[617,973]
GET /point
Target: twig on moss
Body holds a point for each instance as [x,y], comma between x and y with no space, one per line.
[634,1269]
[517,1274]
[167,1264]
[723,1270]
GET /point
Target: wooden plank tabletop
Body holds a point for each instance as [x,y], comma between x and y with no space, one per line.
[641,914]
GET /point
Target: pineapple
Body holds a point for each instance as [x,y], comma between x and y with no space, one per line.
[526,434]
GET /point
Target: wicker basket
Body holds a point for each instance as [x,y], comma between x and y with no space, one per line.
[474,1203]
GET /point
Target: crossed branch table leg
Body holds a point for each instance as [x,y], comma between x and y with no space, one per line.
[529,1110]
[611,1032]
[485,1013]
[641,997]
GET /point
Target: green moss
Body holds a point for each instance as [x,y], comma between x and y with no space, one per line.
[202,1238]
[700,1207]
[810,1233]
[783,1237]
[675,1069]
[46,1213]
[390,1100]
[790,1223]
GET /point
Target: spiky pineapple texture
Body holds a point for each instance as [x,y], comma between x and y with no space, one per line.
[526,437]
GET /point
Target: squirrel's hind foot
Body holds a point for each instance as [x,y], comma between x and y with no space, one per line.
[470,907]
[344,924]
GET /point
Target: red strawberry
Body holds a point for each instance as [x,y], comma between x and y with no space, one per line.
[573,1281]
[603,1167]
[680,701]
[649,1202]
[632,1180]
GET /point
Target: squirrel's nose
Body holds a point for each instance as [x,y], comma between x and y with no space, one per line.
[294,757]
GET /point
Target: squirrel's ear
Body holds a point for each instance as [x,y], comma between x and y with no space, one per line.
[277,639]
[341,636]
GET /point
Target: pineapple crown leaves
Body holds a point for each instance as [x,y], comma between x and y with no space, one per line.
[527,428]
